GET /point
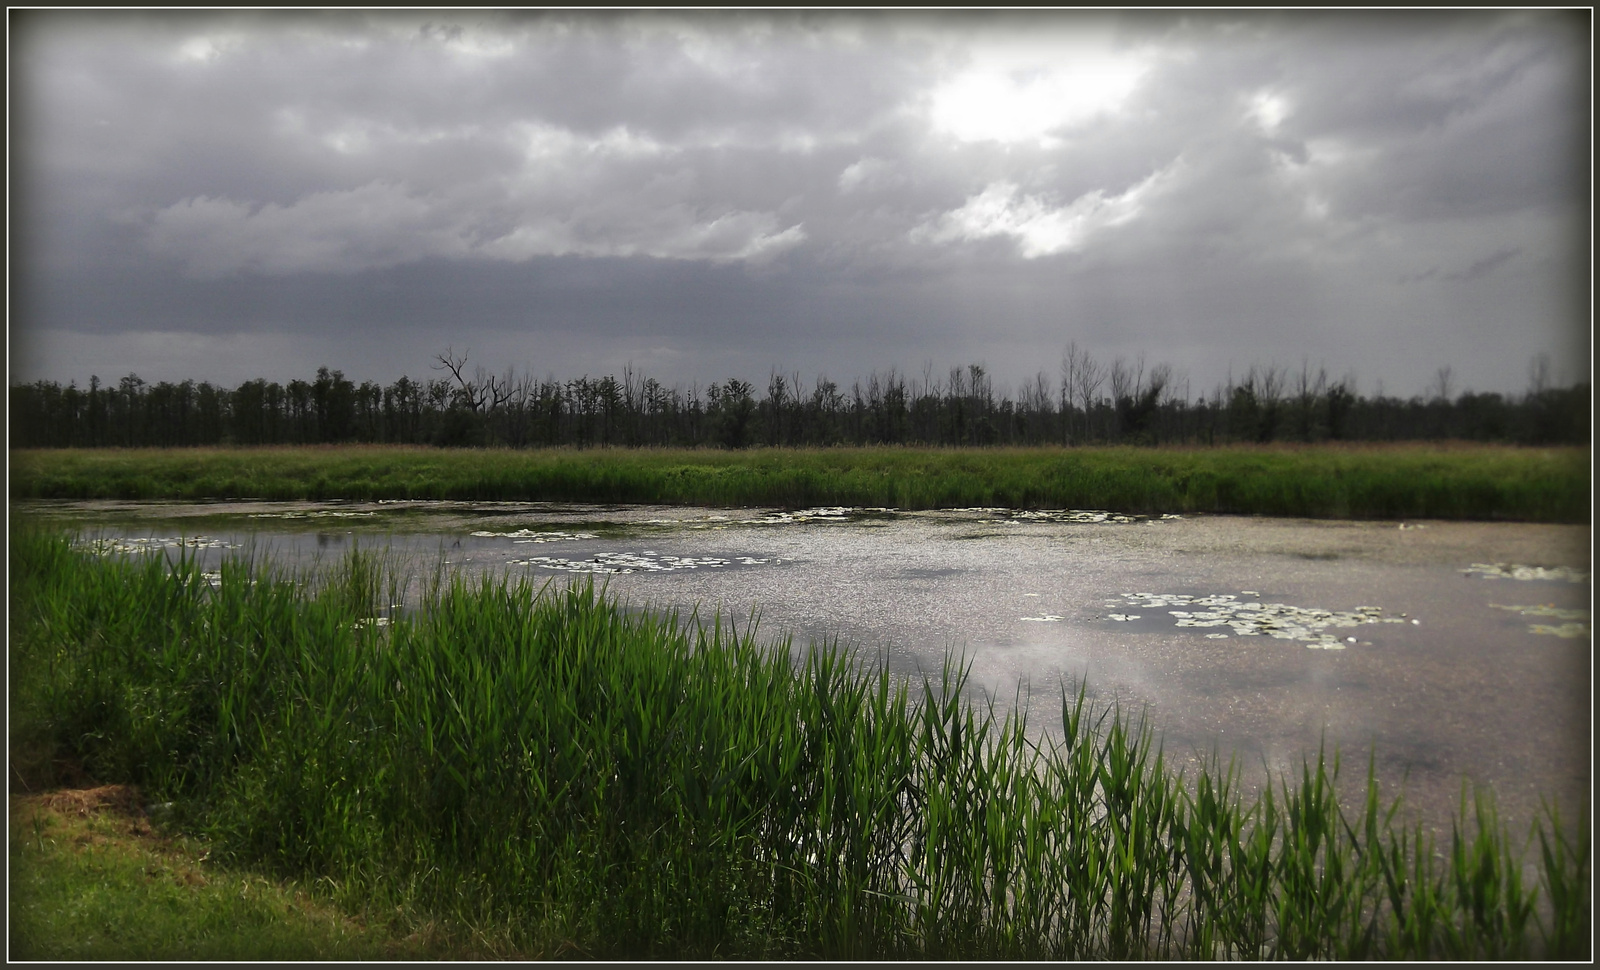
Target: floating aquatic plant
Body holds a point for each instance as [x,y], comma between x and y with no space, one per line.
[1567,631]
[1503,570]
[1249,618]
[613,563]
[530,535]
[1076,516]
[831,513]
[313,514]
[1545,610]
[1577,624]
[1072,516]
[122,545]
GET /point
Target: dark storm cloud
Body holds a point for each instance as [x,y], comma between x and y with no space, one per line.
[225,195]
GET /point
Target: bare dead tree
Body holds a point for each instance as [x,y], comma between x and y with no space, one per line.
[1070,363]
[1037,392]
[1538,375]
[467,391]
[1127,379]
[1271,385]
[1307,390]
[1160,381]
[1091,374]
[1442,385]
[498,389]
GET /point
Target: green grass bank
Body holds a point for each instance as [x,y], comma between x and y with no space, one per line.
[1320,481]
[538,766]
[93,879]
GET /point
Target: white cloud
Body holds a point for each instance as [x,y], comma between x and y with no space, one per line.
[864,174]
[1318,175]
[543,143]
[674,233]
[1038,228]
[383,224]
[375,225]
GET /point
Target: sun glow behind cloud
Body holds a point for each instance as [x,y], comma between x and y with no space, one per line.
[1268,110]
[1021,91]
[206,48]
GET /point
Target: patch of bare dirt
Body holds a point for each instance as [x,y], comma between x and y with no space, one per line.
[83,802]
[120,806]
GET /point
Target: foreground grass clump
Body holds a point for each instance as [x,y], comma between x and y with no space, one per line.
[91,879]
[1343,481]
[548,769]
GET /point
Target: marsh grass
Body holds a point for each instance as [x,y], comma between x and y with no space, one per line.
[1340,481]
[538,765]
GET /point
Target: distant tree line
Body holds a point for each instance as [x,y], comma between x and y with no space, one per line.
[1089,402]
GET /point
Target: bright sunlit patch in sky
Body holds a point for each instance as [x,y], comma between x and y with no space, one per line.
[1028,91]
[1039,229]
[478,45]
[204,48]
[1268,109]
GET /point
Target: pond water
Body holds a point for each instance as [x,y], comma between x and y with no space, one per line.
[1447,651]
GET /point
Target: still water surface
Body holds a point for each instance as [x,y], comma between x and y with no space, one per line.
[1447,651]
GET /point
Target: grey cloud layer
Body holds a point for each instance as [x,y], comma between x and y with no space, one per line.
[1284,156]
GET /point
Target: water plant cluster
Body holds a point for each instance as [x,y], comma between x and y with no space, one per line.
[543,767]
[1574,625]
[1092,402]
[648,561]
[127,544]
[1346,481]
[536,535]
[1251,618]
[1511,570]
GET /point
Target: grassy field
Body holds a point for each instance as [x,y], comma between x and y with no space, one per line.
[544,769]
[1357,481]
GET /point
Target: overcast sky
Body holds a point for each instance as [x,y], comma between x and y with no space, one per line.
[705,196]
